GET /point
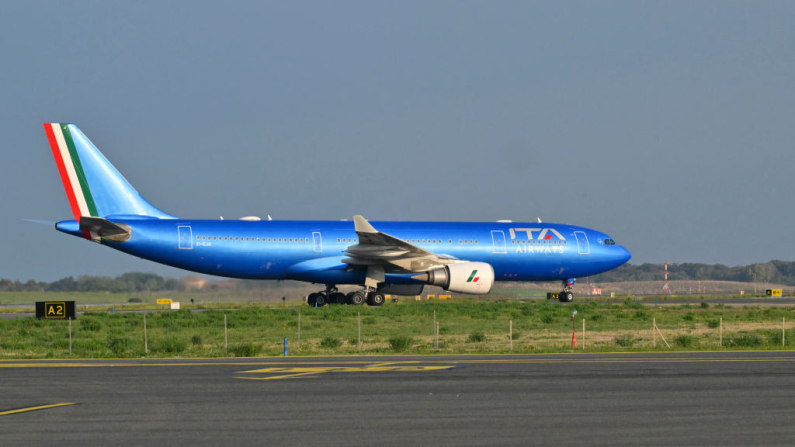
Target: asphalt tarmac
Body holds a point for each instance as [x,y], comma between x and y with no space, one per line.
[675,399]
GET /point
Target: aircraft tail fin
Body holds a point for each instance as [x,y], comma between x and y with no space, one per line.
[93,186]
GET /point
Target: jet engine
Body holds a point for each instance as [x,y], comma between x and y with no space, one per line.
[465,277]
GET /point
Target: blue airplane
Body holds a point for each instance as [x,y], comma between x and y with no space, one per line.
[383,257]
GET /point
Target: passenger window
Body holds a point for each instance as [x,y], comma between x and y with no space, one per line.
[450,241]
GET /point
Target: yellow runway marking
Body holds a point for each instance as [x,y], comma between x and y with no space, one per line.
[296,372]
[51,365]
[289,376]
[41,407]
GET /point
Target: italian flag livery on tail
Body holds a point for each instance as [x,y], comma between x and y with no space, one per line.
[93,186]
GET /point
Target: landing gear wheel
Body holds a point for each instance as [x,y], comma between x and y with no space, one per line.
[566,297]
[312,299]
[321,300]
[336,298]
[357,298]
[375,298]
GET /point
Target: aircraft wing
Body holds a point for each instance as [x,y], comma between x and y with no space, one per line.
[394,255]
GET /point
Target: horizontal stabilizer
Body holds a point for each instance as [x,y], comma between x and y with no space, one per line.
[105,229]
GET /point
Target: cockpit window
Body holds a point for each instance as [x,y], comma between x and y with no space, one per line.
[610,242]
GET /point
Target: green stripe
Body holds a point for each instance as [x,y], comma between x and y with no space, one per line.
[472,275]
[81,176]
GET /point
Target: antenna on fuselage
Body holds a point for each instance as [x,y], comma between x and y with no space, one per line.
[539,219]
[222,217]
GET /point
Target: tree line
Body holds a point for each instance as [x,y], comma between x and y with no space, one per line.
[776,272]
[137,282]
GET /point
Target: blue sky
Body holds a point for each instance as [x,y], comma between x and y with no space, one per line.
[667,125]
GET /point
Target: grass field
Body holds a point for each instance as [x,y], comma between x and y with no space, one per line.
[465,326]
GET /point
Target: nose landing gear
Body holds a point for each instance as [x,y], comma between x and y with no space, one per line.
[566,296]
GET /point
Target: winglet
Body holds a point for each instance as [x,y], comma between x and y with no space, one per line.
[362,225]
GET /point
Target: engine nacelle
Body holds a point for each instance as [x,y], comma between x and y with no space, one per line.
[465,277]
[401,289]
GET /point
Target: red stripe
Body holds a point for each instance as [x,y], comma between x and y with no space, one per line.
[476,279]
[549,236]
[56,152]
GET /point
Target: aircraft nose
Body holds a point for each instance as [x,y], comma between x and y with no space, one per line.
[623,255]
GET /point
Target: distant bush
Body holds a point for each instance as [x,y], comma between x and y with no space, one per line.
[118,345]
[704,305]
[689,317]
[713,323]
[684,340]
[547,318]
[134,300]
[330,342]
[632,304]
[744,341]
[246,350]
[90,324]
[400,343]
[625,341]
[170,345]
[196,339]
[595,317]
[477,337]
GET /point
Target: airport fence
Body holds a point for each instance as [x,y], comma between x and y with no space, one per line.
[465,326]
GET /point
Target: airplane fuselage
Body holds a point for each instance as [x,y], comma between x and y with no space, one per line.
[314,250]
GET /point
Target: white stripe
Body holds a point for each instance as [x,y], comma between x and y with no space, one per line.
[70,169]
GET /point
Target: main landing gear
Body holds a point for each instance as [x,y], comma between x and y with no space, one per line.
[332,296]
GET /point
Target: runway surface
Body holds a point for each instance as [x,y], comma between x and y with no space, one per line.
[676,399]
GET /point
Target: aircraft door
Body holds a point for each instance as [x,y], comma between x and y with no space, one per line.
[498,238]
[583,247]
[185,237]
[318,241]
